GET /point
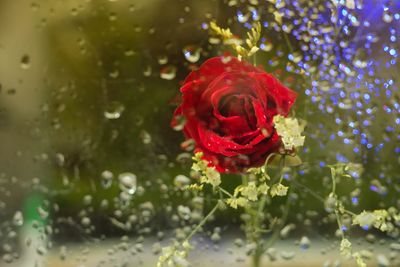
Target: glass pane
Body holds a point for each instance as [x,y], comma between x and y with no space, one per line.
[199,133]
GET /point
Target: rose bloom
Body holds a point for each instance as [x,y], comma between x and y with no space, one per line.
[228,108]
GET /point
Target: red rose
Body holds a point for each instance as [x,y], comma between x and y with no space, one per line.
[228,106]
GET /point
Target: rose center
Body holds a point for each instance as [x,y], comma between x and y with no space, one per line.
[231,106]
[238,105]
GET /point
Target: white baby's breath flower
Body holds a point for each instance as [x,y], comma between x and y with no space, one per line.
[175,255]
[213,176]
[209,175]
[354,169]
[360,262]
[167,253]
[263,189]
[290,131]
[237,202]
[364,219]
[279,190]
[376,218]
[250,191]
[345,247]
[198,163]
[194,187]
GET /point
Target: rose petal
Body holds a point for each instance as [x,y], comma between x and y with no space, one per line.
[215,66]
[219,144]
[283,97]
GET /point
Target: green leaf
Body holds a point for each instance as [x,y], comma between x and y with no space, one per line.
[288,161]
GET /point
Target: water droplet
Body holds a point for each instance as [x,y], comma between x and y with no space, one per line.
[330,203]
[272,254]
[184,212]
[85,221]
[179,123]
[127,182]
[104,204]
[63,253]
[129,53]
[8,258]
[188,145]
[87,200]
[382,261]
[106,178]
[387,17]
[168,72]
[215,237]
[42,213]
[146,137]
[181,181]
[156,248]
[372,37]
[286,230]
[305,242]
[266,46]
[297,57]
[147,71]
[18,218]
[184,157]
[162,60]
[34,6]
[114,110]
[25,62]
[360,59]
[287,255]
[239,242]
[114,74]
[192,53]
[60,159]
[41,250]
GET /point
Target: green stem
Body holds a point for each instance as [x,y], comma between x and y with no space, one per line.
[318,197]
[278,229]
[267,160]
[285,36]
[257,256]
[350,212]
[256,235]
[225,192]
[259,250]
[339,222]
[333,175]
[253,226]
[205,219]
[308,190]
[279,175]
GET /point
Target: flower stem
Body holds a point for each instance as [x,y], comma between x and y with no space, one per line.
[225,192]
[253,225]
[278,229]
[256,235]
[205,219]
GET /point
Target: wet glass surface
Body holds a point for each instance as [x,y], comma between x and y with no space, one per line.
[92,173]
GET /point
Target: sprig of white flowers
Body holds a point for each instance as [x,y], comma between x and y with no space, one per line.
[253,36]
[208,175]
[290,131]
[175,255]
[383,220]
[245,193]
[250,195]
